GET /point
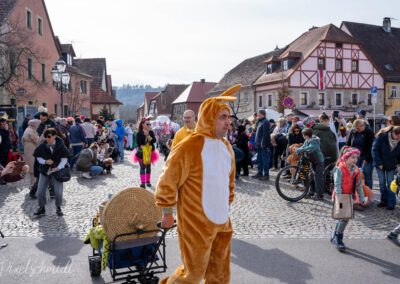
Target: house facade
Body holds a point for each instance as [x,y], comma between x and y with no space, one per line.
[102,96]
[246,73]
[32,86]
[162,103]
[382,45]
[323,69]
[191,98]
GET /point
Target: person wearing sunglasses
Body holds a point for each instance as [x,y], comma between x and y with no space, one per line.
[145,139]
[52,155]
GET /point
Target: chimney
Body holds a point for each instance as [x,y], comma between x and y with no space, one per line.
[386,24]
[202,80]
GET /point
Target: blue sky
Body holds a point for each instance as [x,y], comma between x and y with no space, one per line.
[177,41]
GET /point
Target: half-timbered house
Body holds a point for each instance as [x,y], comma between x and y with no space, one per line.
[323,69]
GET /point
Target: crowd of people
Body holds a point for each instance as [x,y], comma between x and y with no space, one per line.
[50,144]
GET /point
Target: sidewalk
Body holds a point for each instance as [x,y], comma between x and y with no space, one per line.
[64,260]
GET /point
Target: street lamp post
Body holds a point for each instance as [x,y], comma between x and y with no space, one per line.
[60,80]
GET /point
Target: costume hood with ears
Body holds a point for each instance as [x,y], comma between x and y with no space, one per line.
[209,109]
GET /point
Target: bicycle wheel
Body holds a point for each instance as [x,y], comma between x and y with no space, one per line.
[295,187]
[328,176]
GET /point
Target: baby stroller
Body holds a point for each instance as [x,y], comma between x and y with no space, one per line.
[164,146]
[135,250]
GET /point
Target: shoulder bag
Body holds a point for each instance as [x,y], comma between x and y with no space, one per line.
[343,204]
[63,175]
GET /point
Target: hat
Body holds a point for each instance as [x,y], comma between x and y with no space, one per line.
[362,112]
[272,120]
[130,210]
[308,122]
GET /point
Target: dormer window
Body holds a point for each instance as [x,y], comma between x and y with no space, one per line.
[269,68]
[69,59]
[285,65]
[321,63]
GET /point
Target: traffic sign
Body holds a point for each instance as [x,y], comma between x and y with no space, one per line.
[374,91]
[288,102]
[374,100]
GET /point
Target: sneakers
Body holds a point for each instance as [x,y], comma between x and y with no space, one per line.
[381,204]
[394,238]
[59,212]
[86,175]
[337,240]
[142,185]
[148,184]
[40,212]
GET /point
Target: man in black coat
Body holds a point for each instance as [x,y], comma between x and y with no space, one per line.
[5,144]
[262,145]
[46,123]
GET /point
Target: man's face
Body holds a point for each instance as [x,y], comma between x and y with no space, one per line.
[188,118]
[259,116]
[359,128]
[43,118]
[222,123]
[395,136]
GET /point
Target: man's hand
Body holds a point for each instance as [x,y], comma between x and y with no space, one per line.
[49,162]
[380,167]
[53,170]
[167,221]
[364,163]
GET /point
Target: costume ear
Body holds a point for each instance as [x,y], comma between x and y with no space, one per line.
[227,95]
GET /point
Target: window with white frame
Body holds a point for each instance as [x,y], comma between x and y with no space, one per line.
[83,87]
[244,97]
[338,99]
[269,68]
[260,101]
[321,99]
[40,26]
[29,19]
[354,99]
[303,98]
[393,92]
[285,65]
[269,100]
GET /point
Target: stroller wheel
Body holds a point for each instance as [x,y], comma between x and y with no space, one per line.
[95,265]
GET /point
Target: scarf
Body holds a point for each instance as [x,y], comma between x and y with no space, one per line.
[392,143]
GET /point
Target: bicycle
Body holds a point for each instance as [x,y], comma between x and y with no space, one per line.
[297,185]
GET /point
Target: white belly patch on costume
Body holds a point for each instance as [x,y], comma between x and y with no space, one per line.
[216,168]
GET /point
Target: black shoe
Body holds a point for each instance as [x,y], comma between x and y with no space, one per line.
[244,175]
[309,195]
[381,204]
[317,197]
[59,212]
[264,178]
[40,212]
[142,185]
[394,238]
[256,176]
[148,184]
[32,195]
[390,208]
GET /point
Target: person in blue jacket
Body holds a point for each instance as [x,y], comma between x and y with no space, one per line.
[386,157]
[119,134]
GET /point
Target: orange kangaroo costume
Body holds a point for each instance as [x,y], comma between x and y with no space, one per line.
[199,178]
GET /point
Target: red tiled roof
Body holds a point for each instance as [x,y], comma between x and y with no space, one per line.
[195,93]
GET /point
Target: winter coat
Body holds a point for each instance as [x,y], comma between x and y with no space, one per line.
[43,151]
[45,125]
[366,150]
[119,131]
[242,142]
[382,155]
[328,142]
[312,148]
[87,158]
[263,136]
[77,134]
[5,144]
[30,140]
[141,139]
[295,139]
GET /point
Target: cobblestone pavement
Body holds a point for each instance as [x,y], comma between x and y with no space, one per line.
[258,211]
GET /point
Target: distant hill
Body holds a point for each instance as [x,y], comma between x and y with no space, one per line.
[134,94]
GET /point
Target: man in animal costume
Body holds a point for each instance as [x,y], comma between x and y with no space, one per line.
[199,178]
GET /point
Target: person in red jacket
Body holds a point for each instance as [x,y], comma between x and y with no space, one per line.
[347,179]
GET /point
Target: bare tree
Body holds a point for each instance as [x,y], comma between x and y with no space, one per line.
[16,47]
[74,98]
[235,106]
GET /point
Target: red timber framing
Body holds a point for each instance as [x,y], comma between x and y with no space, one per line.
[366,75]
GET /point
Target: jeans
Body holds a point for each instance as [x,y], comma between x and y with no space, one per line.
[385,178]
[120,146]
[44,182]
[76,150]
[96,170]
[367,170]
[340,226]
[318,181]
[263,157]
